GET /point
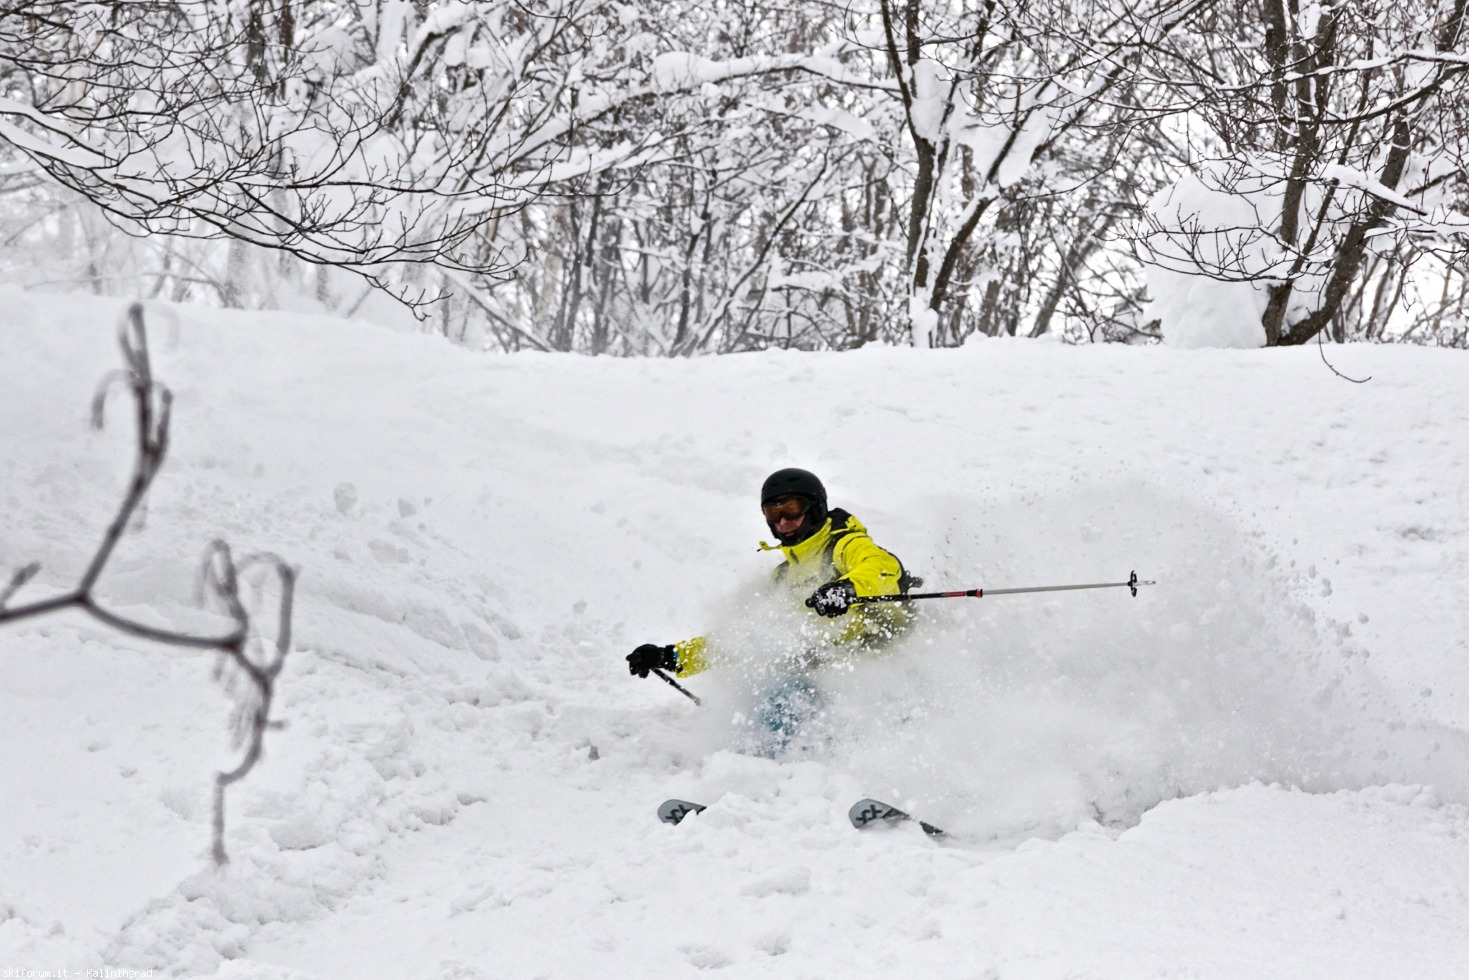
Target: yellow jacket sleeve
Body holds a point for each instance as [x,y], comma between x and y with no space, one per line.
[692,656]
[871,570]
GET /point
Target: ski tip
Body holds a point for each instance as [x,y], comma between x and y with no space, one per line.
[869,811]
[864,812]
[673,811]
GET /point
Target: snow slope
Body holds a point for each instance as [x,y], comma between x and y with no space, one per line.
[1259,767]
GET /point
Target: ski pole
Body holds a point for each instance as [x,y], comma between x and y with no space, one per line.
[1132,583]
[678,687]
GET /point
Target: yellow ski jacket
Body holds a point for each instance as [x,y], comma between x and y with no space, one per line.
[841,549]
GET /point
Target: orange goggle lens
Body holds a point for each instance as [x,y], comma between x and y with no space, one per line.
[789,507]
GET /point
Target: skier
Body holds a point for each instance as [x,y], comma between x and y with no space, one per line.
[830,560]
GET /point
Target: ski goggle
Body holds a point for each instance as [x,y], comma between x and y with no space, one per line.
[785,507]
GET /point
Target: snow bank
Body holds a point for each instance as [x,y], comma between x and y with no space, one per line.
[467,766]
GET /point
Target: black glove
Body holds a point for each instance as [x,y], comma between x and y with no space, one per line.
[833,598]
[648,656]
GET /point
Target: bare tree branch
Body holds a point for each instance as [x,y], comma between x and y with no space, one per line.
[258,658]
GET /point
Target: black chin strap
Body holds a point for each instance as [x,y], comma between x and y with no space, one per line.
[804,530]
[810,525]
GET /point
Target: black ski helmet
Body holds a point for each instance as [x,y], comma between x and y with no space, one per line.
[792,482]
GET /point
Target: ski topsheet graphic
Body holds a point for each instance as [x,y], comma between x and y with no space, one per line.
[864,813]
[672,811]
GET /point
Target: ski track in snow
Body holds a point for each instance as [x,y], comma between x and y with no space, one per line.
[1258,767]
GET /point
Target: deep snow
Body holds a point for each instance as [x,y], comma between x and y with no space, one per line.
[1258,767]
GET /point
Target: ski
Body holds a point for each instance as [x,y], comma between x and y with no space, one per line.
[672,811]
[865,812]
[862,814]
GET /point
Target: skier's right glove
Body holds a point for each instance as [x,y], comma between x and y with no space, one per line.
[649,657]
[833,598]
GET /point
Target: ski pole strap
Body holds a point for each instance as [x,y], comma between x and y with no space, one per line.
[678,687]
[1132,583]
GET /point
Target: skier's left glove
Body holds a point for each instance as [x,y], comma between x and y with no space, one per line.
[651,657]
[833,598]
